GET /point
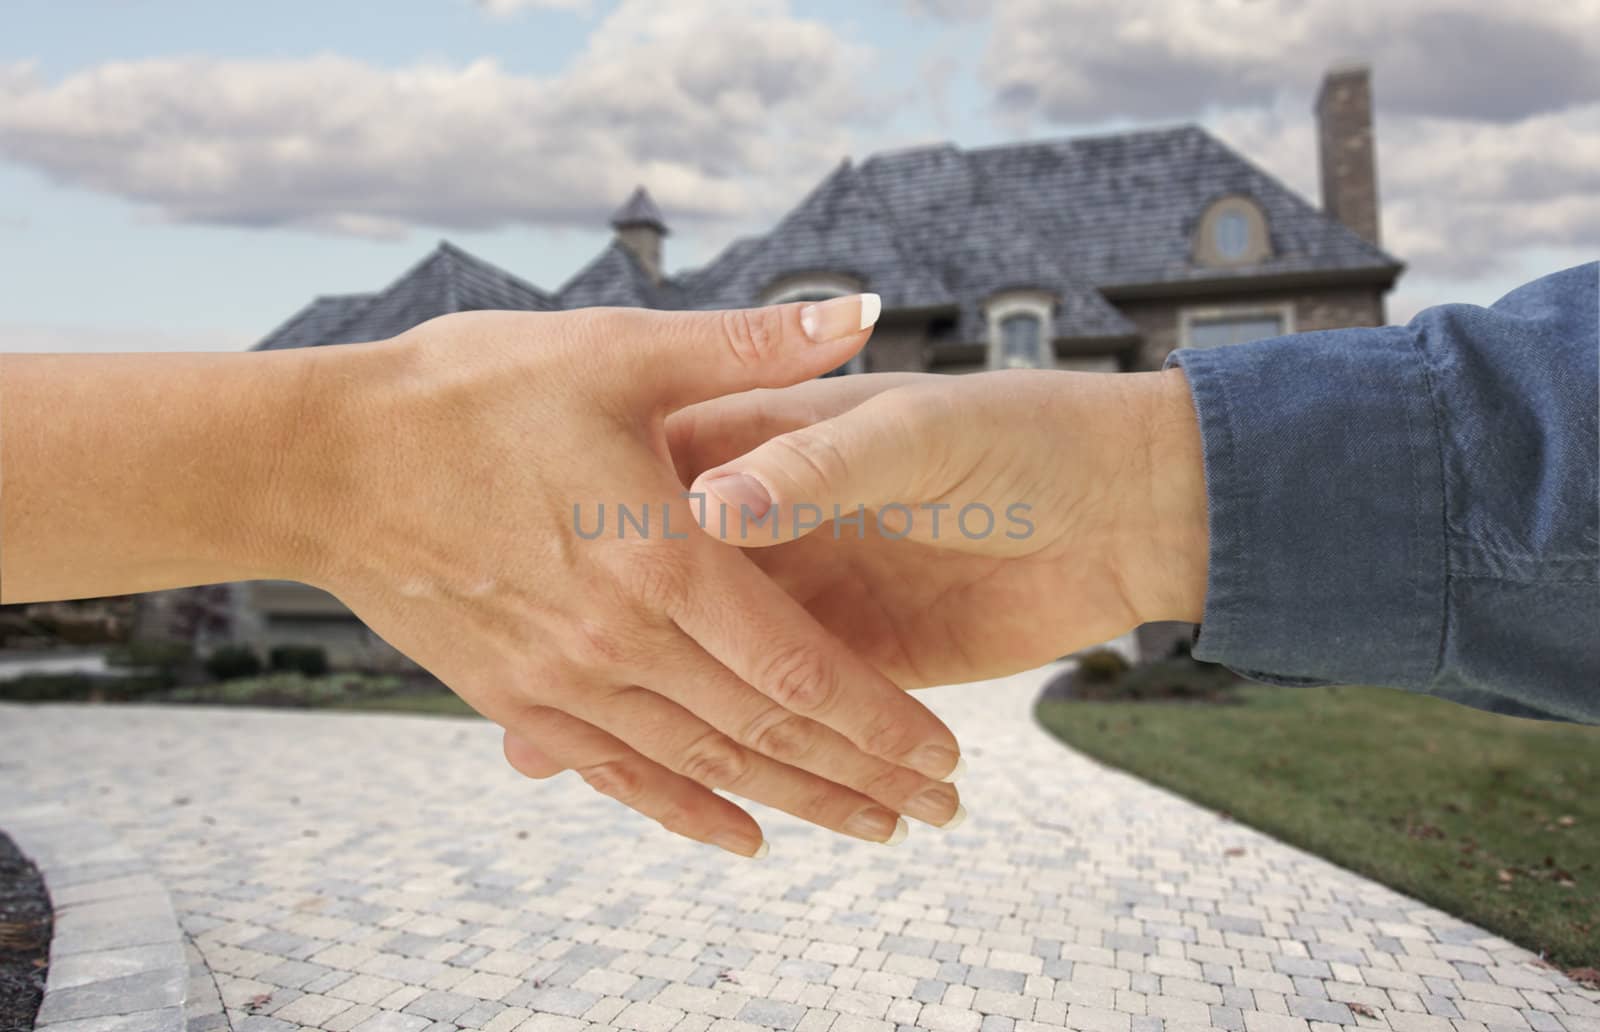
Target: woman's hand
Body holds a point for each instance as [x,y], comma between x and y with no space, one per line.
[463,470]
[1108,469]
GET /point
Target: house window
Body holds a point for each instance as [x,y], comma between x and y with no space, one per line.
[1232,231]
[1018,323]
[1215,328]
[1231,235]
[1021,342]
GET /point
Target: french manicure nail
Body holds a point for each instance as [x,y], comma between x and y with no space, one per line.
[958,773]
[875,824]
[900,833]
[840,316]
[956,821]
[740,493]
[937,762]
[763,849]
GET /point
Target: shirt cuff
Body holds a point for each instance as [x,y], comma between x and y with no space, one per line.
[1325,501]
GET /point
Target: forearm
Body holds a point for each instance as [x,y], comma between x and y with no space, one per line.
[1411,505]
[135,472]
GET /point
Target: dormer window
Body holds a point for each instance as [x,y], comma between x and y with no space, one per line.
[1021,338]
[1021,331]
[1232,231]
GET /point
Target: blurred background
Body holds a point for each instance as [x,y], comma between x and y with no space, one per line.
[1043,183]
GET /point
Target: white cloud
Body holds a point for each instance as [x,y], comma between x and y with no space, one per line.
[1084,60]
[1460,198]
[722,107]
[1488,115]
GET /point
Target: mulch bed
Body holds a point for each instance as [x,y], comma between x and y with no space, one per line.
[25,925]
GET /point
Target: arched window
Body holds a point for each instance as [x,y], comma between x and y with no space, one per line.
[1232,231]
[1020,331]
[1230,234]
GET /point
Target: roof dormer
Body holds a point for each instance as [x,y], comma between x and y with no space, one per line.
[1232,231]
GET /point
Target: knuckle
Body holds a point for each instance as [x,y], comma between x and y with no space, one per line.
[885,737]
[781,735]
[597,645]
[675,817]
[814,452]
[658,576]
[715,762]
[798,681]
[751,334]
[614,778]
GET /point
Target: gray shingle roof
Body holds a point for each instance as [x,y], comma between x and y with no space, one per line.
[313,323]
[616,278]
[932,228]
[839,228]
[447,280]
[1121,210]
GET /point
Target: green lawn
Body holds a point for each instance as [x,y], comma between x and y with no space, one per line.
[442,704]
[1492,819]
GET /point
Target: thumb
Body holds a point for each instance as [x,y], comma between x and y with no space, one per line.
[862,459]
[690,357]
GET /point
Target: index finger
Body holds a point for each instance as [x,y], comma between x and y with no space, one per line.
[767,638]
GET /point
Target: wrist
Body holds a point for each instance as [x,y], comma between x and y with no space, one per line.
[1166,550]
[320,430]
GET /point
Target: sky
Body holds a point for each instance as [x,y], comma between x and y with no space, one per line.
[181,174]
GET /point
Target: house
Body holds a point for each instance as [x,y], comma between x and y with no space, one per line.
[1092,253]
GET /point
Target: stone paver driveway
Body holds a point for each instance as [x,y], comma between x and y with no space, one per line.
[390,874]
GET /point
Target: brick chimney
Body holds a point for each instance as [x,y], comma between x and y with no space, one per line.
[640,228]
[1346,149]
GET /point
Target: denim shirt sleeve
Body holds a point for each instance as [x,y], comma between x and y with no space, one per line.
[1414,506]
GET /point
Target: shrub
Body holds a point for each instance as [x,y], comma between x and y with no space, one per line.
[1102,666]
[161,654]
[231,661]
[80,688]
[310,660]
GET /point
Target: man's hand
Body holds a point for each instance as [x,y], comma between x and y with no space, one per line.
[462,471]
[1108,468]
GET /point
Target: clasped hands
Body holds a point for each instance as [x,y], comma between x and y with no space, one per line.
[457,474]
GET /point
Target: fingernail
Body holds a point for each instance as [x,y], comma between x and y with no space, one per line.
[958,773]
[763,849]
[876,825]
[932,806]
[956,821]
[739,844]
[937,762]
[740,493]
[900,833]
[840,316]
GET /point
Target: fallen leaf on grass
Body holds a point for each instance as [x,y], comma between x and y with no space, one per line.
[1566,820]
[1505,876]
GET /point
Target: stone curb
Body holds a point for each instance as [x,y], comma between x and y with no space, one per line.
[116,958]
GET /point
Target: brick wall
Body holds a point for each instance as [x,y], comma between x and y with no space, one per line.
[1158,319]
